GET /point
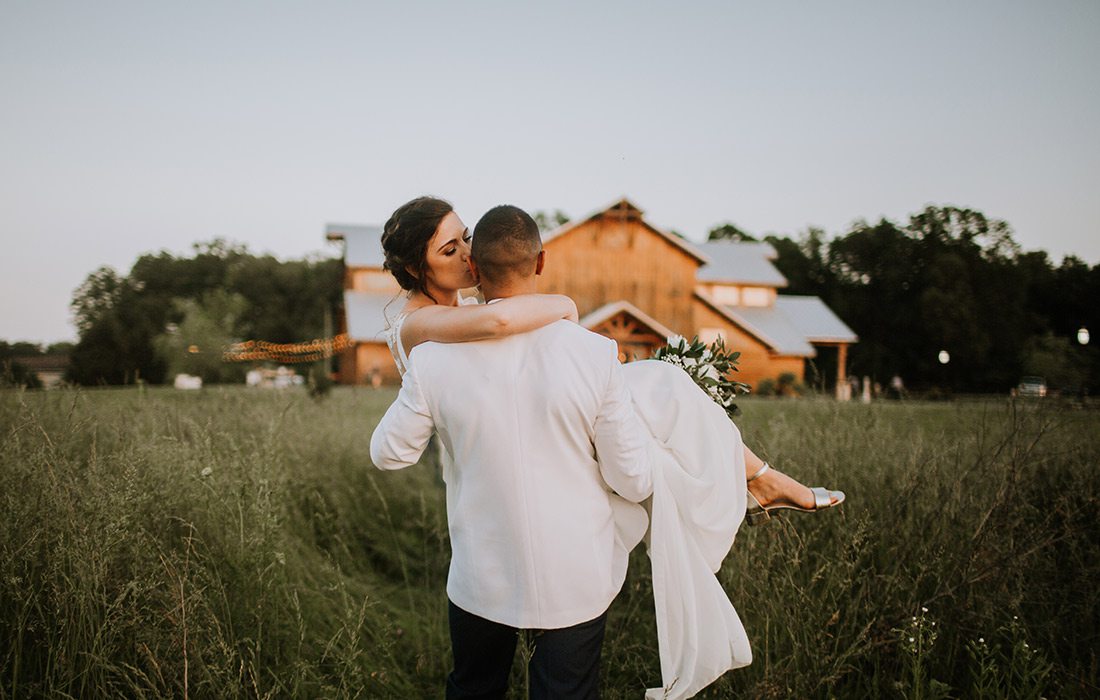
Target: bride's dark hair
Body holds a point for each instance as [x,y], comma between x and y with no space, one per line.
[405,240]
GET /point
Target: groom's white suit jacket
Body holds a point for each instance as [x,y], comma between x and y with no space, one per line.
[539,426]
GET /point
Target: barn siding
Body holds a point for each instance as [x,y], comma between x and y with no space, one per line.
[756,361]
[608,258]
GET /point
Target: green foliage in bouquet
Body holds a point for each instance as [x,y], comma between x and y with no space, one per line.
[709,366]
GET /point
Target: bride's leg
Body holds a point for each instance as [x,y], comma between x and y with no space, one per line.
[773,486]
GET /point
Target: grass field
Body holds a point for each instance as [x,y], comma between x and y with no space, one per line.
[238,544]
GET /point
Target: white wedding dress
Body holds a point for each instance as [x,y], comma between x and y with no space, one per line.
[698,503]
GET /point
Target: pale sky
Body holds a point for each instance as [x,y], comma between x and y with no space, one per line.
[130,127]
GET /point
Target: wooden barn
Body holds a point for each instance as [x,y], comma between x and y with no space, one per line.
[634,283]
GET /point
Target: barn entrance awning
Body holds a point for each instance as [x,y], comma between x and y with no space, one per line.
[637,333]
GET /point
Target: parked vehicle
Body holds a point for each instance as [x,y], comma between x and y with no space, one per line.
[1031,387]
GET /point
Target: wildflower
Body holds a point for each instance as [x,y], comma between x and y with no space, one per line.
[981,640]
[924,609]
[911,640]
[207,471]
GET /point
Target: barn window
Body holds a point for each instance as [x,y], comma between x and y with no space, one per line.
[727,296]
[755,296]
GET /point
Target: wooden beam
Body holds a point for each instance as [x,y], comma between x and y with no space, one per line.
[842,390]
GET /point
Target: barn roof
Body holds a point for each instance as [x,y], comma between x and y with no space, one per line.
[624,207]
[768,324]
[362,244]
[815,320]
[741,262]
[773,326]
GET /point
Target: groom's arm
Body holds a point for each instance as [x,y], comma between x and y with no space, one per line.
[404,432]
[621,440]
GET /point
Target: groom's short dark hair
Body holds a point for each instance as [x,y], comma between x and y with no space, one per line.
[506,244]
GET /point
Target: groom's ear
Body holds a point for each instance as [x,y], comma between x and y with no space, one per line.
[540,261]
[473,270]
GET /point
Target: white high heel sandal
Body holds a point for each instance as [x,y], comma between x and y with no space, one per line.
[757,514]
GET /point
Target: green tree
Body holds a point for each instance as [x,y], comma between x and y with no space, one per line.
[549,222]
[115,332]
[729,232]
[119,317]
[12,373]
[96,297]
[1056,360]
[804,262]
[195,345]
[873,282]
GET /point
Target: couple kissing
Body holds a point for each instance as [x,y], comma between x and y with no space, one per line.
[558,460]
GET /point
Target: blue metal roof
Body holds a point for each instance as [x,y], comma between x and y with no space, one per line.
[814,320]
[772,326]
[740,262]
[362,244]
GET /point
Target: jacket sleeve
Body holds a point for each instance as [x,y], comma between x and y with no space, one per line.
[622,442]
[404,432]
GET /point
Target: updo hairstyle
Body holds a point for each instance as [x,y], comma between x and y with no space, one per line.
[405,240]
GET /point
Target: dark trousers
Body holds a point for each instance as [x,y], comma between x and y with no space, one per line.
[565,663]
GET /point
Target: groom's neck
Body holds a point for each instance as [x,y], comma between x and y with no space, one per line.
[509,289]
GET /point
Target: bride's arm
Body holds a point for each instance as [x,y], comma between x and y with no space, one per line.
[459,324]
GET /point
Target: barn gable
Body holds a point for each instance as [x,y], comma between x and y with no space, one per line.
[637,333]
[615,254]
[622,211]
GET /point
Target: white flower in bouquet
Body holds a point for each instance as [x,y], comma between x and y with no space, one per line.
[708,366]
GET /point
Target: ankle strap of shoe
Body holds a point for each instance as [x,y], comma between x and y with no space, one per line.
[759,472]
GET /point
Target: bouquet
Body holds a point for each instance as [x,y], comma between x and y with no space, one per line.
[709,366]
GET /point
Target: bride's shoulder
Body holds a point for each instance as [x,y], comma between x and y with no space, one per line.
[408,311]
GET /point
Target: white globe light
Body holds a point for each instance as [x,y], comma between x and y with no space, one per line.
[1083,335]
[944,357]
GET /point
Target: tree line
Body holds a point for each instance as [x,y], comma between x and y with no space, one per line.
[175,314]
[950,279]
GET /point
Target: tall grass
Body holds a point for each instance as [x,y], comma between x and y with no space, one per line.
[239,544]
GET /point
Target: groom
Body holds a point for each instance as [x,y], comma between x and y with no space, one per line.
[540,430]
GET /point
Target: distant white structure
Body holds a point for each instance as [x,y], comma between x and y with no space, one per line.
[280,378]
[188,382]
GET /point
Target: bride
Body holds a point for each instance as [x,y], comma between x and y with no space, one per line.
[700,462]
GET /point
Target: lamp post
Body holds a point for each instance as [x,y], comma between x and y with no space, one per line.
[944,357]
